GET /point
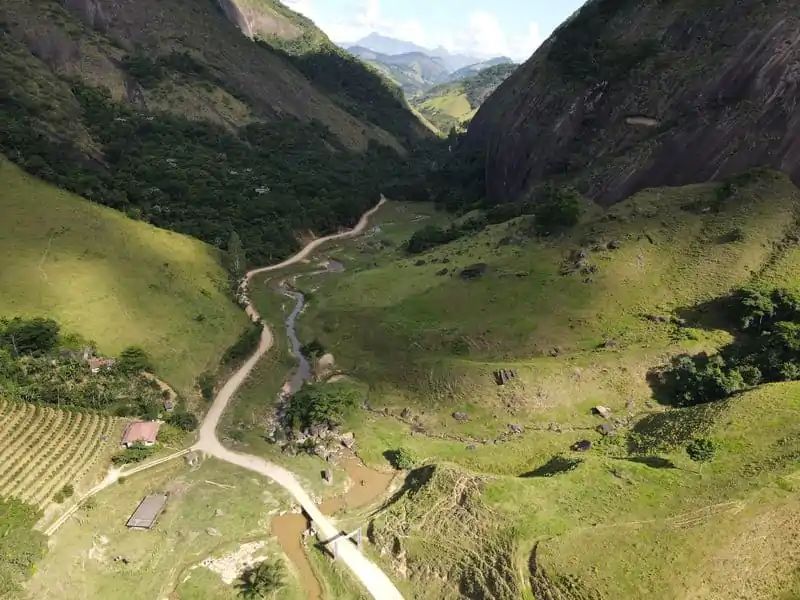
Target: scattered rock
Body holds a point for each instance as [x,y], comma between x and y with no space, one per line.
[461,416]
[581,446]
[555,351]
[517,429]
[213,532]
[219,513]
[605,429]
[609,344]
[474,271]
[327,476]
[614,245]
[471,447]
[420,263]
[406,414]
[442,272]
[348,440]
[603,411]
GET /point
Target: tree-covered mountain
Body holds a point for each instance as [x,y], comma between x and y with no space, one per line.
[413,72]
[416,69]
[614,99]
[165,110]
[453,105]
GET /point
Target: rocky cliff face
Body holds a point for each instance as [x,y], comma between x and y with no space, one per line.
[631,94]
[244,82]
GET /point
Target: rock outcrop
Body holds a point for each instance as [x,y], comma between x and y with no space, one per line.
[628,95]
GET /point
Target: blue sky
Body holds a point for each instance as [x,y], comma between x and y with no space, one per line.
[479,27]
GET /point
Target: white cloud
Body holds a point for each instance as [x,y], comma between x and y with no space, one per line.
[482,35]
[485,37]
[358,19]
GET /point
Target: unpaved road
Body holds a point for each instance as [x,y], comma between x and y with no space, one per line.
[367,572]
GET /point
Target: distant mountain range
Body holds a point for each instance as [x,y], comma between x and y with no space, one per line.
[414,68]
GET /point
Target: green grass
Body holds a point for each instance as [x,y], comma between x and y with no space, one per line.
[162,562]
[113,280]
[430,342]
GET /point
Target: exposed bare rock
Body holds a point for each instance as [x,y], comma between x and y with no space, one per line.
[675,92]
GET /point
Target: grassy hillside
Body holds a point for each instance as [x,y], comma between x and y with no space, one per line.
[582,319]
[452,105]
[113,280]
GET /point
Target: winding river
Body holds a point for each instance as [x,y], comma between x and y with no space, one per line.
[366,485]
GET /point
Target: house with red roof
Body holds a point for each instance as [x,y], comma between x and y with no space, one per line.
[140,432]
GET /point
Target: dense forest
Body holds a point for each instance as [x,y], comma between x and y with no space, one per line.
[266,184]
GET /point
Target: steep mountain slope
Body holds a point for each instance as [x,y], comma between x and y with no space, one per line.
[473,69]
[388,45]
[414,72]
[113,280]
[360,91]
[616,97]
[454,104]
[166,111]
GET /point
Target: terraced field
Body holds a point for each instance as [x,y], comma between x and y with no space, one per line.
[44,448]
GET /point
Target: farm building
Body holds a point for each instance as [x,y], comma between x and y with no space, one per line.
[140,432]
[147,512]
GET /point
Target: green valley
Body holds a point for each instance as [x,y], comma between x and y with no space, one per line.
[286,317]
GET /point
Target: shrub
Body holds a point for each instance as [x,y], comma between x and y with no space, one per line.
[206,383]
[135,454]
[183,420]
[313,349]
[701,450]
[245,345]
[263,579]
[401,459]
[29,336]
[559,208]
[321,404]
[134,360]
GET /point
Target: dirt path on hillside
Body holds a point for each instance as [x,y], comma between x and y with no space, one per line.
[368,573]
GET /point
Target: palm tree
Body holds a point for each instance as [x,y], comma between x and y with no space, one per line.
[262,580]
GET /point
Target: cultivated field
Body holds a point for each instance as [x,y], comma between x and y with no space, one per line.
[42,449]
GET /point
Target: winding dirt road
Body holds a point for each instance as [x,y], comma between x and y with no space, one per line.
[367,572]
[370,575]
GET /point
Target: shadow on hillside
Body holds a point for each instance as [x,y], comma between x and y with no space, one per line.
[661,432]
[712,315]
[414,482]
[654,462]
[555,466]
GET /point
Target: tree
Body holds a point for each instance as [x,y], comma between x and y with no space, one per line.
[136,453]
[701,450]
[753,308]
[560,209]
[263,579]
[321,404]
[183,420]
[236,256]
[401,459]
[29,336]
[134,360]
[206,383]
